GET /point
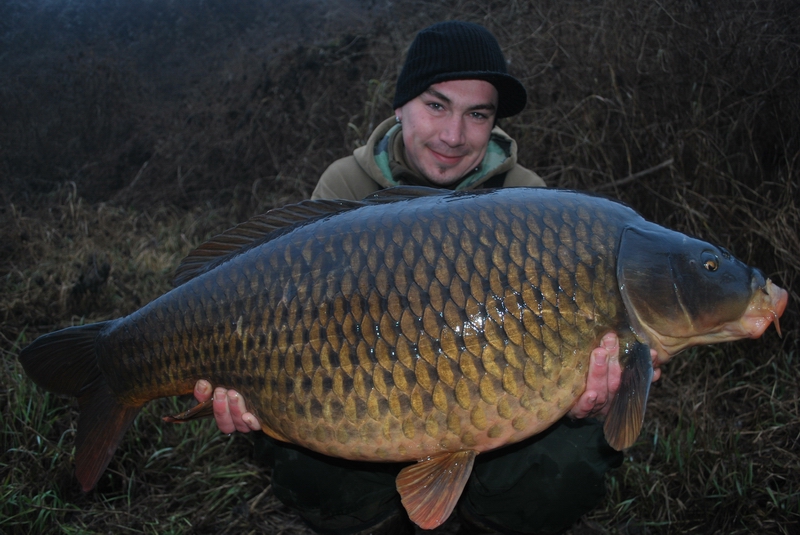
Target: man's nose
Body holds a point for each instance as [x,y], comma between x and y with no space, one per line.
[452,131]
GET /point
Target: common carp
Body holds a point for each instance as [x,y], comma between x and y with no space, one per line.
[416,325]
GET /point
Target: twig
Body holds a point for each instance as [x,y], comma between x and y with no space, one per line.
[631,178]
[138,175]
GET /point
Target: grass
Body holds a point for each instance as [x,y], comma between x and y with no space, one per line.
[719,450]
[164,479]
[174,121]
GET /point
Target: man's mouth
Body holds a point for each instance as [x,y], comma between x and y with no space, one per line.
[446,158]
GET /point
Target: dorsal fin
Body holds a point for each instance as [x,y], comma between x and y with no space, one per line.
[265,227]
[254,231]
[403,193]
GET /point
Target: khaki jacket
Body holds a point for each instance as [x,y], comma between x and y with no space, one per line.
[354,177]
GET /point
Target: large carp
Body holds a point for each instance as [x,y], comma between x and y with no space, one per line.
[416,325]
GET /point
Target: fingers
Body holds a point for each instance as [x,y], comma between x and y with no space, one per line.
[251,421]
[611,343]
[602,381]
[604,376]
[222,412]
[230,409]
[202,391]
[242,420]
[594,397]
[584,406]
[656,368]
[597,381]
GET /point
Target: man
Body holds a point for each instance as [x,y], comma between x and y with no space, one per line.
[453,87]
[442,135]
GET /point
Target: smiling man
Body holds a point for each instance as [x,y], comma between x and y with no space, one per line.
[453,87]
[446,130]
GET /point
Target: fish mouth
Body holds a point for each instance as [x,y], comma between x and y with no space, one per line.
[766,307]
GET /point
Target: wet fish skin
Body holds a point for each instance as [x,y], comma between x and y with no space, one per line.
[416,325]
[391,335]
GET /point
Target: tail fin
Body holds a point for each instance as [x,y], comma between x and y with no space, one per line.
[65,362]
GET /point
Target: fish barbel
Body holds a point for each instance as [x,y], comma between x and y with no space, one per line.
[416,325]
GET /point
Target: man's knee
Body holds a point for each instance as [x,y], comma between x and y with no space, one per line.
[335,495]
[544,484]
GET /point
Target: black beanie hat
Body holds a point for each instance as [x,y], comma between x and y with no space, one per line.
[457,50]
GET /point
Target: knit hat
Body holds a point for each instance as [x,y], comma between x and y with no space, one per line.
[457,50]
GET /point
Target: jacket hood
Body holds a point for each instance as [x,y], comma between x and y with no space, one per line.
[378,160]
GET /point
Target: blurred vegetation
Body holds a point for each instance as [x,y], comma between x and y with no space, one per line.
[131,131]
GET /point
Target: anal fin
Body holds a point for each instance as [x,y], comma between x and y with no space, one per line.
[626,415]
[201,410]
[277,435]
[431,488]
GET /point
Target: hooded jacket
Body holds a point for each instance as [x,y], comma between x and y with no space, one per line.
[380,164]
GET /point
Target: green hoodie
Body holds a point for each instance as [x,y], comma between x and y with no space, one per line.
[374,167]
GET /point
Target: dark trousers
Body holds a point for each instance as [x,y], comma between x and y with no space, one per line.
[541,485]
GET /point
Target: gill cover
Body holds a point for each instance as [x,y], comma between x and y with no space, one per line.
[676,287]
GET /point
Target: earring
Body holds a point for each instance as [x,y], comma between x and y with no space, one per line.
[396,118]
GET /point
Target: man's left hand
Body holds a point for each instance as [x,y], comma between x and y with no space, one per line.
[604,377]
[230,410]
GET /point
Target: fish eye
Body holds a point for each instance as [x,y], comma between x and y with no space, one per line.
[710,261]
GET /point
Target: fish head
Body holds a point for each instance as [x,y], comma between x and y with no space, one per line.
[681,292]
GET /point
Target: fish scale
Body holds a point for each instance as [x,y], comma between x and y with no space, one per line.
[393,334]
[415,325]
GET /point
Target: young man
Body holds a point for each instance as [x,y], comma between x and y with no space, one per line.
[453,87]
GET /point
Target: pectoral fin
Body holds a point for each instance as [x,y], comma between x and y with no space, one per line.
[431,488]
[626,415]
[201,410]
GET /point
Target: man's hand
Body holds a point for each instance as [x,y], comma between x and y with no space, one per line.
[603,380]
[602,384]
[230,410]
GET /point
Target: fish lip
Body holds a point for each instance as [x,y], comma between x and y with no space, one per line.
[767,306]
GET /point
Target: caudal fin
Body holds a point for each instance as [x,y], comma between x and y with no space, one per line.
[65,362]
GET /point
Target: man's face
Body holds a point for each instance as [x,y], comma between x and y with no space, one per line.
[446,129]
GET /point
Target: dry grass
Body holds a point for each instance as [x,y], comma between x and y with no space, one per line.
[131,131]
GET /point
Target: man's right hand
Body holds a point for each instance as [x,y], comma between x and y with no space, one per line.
[230,410]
